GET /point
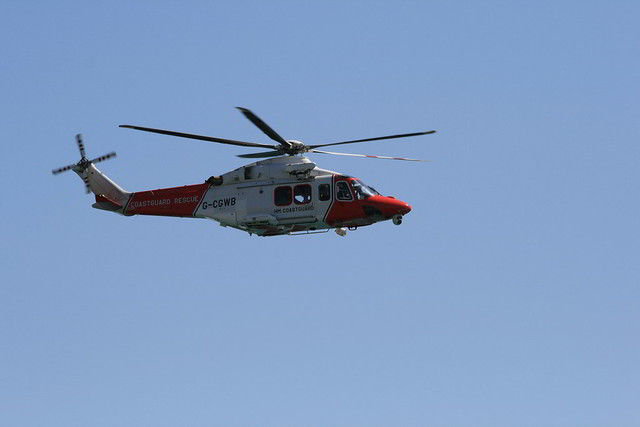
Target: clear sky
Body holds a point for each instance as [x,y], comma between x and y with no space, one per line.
[508,297]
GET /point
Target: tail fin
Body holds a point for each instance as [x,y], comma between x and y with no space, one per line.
[109,195]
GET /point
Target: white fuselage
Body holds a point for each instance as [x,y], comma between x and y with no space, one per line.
[245,199]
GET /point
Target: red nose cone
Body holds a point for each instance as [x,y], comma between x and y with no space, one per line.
[394,206]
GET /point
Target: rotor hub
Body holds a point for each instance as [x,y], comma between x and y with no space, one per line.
[297,147]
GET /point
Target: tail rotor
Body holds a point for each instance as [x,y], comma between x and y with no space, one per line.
[81,166]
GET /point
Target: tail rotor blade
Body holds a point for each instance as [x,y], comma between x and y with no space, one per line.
[86,183]
[372,157]
[60,170]
[80,145]
[103,158]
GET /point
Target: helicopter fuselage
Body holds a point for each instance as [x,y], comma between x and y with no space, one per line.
[282,195]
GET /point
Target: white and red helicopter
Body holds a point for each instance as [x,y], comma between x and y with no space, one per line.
[284,194]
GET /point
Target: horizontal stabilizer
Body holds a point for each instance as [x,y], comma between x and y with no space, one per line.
[104,203]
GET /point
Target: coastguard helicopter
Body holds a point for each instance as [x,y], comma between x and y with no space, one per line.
[286,194]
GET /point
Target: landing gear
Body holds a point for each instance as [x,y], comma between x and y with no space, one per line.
[397,219]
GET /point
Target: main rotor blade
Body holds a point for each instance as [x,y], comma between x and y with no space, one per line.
[66,168]
[404,135]
[364,155]
[264,127]
[80,145]
[200,137]
[86,184]
[261,155]
[103,158]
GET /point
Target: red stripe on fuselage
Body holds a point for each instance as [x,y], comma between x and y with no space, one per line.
[176,201]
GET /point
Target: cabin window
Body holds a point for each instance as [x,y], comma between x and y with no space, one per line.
[324,192]
[282,196]
[342,191]
[302,194]
[248,172]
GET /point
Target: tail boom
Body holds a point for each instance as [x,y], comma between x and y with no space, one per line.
[177,201]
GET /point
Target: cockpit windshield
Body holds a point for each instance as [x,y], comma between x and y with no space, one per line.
[362,191]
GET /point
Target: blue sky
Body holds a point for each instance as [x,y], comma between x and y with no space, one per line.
[509,296]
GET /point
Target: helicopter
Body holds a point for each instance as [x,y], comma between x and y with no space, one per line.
[284,194]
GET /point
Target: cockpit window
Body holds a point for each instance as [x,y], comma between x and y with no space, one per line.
[342,191]
[361,190]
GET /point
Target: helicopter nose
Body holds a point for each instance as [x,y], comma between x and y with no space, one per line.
[395,207]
